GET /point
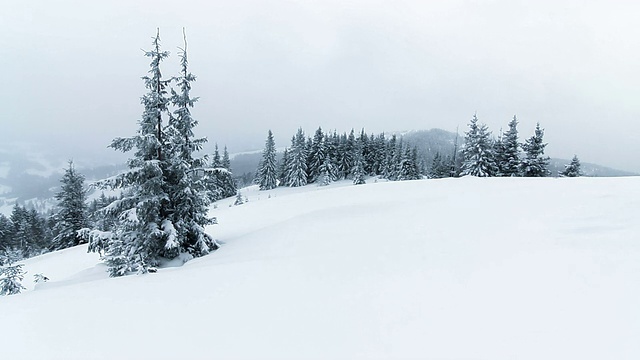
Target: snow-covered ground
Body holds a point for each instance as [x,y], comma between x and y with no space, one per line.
[465,268]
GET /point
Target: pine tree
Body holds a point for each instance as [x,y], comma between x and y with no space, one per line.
[187,189]
[215,160]
[297,172]
[509,158]
[347,155]
[328,172]
[283,172]
[572,169]
[227,183]
[72,213]
[478,151]
[408,169]
[267,177]
[316,156]
[379,146]
[390,165]
[11,274]
[28,233]
[156,217]
[440,168]
[358,166]
[535,164]
[5,231]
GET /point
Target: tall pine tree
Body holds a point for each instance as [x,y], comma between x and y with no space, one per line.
[72,214]
[162,211]
[187,188]
[572,169]
[478,151]
[535,164]
[509,163]
[267,175]
[297,171]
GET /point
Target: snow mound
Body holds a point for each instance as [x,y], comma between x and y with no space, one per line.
[499,268]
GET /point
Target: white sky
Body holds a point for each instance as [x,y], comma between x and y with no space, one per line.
[71,69]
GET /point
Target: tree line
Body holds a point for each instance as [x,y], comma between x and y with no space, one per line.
[327,157]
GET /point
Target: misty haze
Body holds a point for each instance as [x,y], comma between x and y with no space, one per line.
[320,179]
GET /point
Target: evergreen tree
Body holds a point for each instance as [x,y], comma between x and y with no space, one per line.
[11,274]
[297,172]
[267,172]
[478,151]
[215,160]
[187,189]
[390,165]
[509,157]
[440,168]
[378,154]
[358,166]
[535,164]
[328,172]
[239,199]
[72,213]
[283,172]
[371,157]
[226,182]
[160,213]
[408,169]
[572,169]
[226,161]
[5,231]
[316,156]
[347,155]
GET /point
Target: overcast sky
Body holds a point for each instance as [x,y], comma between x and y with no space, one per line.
[71,70]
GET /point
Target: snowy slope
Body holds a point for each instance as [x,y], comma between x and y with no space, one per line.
[437,269]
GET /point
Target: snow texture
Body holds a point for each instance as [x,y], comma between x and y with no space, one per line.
[470,268]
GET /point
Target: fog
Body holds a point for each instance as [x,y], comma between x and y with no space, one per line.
[71,70]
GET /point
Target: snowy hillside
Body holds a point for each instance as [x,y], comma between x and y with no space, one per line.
[470,268]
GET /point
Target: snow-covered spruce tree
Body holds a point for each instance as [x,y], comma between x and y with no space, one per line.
[283,168]
[187,186]
[328,172]
[72,210]
[572,169]
[440,168]
[158,184]
[408,169]
[227,183]
[316,155]
[379,145]
[478,151]
[5,230]
[216,162]
[29,232]
[346,154]
[297,172]
[332,143]
[390,166]
[534,163]
[11,274]
[358,165]
[267,172]
[509,164]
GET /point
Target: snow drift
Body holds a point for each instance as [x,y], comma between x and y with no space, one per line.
[497,268]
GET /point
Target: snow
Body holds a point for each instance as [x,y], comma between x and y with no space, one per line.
[492,268]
